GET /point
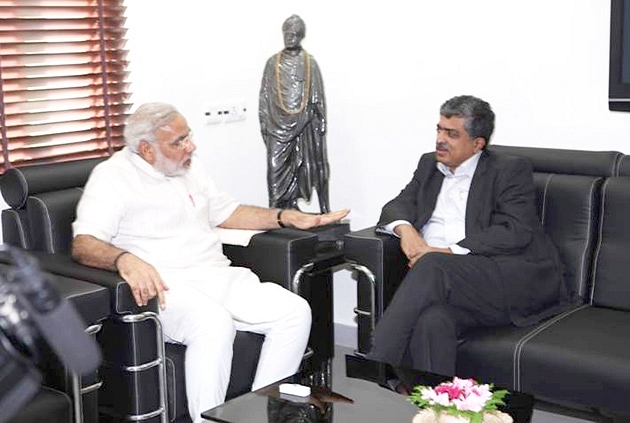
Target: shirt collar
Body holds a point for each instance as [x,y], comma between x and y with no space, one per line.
[143,165]
[467,168]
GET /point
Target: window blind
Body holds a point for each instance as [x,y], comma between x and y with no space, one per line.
[63,80]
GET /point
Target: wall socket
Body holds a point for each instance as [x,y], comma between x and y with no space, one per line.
[225,112]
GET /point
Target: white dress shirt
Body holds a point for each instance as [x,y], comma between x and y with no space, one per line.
[447,225]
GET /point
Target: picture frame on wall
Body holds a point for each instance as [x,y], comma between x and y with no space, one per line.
[619,80]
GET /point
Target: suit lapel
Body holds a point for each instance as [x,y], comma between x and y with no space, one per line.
[479,189]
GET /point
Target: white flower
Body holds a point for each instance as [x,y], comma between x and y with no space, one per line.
[463,383]
[435,398]
[474,398]
[464,397]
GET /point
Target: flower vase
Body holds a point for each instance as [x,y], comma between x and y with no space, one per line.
[430,416]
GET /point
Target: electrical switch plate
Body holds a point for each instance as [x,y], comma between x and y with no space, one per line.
[225,112]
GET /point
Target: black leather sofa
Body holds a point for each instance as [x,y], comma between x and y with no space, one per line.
[142,378]
[578,360]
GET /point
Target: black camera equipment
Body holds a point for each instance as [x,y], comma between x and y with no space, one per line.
[33,312]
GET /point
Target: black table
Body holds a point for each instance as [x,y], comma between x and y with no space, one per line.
[365,403]
[357,401]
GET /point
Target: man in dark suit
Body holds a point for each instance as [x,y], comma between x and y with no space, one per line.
[478,255]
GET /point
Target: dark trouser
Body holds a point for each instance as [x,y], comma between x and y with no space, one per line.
[442,296]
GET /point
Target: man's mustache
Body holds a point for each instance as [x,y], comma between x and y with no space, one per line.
[441,146]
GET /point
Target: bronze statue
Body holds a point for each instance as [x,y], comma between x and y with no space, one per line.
[292,113]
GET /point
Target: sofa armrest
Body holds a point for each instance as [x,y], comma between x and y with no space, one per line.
[121,299]
[382,255]
[275,255]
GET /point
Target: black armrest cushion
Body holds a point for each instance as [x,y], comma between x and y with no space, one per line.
[275,255]
[121,299]
[90,300]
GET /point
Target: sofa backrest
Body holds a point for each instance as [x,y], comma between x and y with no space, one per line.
[43,201]
[624,166]
[611,269]
[569,162]
[568,186]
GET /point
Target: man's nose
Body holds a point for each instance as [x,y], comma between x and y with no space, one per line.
[190,147]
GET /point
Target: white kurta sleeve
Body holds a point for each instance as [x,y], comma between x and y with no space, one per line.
[101,207]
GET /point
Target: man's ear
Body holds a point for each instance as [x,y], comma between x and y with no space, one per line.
[147,151]
[480,143]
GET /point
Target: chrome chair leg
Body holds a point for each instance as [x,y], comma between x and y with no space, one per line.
[75,380]
[160,362]
[371,313]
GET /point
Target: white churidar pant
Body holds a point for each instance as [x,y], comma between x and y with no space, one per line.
[205,308]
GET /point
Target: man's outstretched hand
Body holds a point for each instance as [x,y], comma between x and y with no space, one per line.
[300,220]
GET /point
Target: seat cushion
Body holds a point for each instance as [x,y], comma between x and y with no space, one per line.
[491,354]
[247,347]
[581,358]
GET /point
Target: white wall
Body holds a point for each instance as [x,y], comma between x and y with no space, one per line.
[542,65]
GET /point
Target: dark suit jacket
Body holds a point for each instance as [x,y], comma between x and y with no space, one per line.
[501,223]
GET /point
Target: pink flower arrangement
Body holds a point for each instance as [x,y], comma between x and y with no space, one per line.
[460,397]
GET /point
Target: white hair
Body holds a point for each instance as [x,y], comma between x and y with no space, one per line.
[145,121]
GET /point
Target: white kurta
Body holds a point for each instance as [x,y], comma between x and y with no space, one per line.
[170,223]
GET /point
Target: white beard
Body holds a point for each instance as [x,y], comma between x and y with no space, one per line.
[167,166]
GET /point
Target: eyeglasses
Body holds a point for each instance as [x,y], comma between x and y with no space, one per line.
[182,142]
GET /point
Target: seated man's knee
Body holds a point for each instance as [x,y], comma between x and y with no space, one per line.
[433,260]
[436,319]
[302,311]
[432,267]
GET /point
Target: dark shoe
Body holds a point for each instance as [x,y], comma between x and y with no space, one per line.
[399,386]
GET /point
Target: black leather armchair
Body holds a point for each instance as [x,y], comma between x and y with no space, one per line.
[143,378]
[575,359]
[92,304]
[37,386]
[65,395]
[47,406]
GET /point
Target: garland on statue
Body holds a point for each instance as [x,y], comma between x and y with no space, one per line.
[307,84]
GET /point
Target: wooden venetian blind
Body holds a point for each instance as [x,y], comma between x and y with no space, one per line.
[63,74]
